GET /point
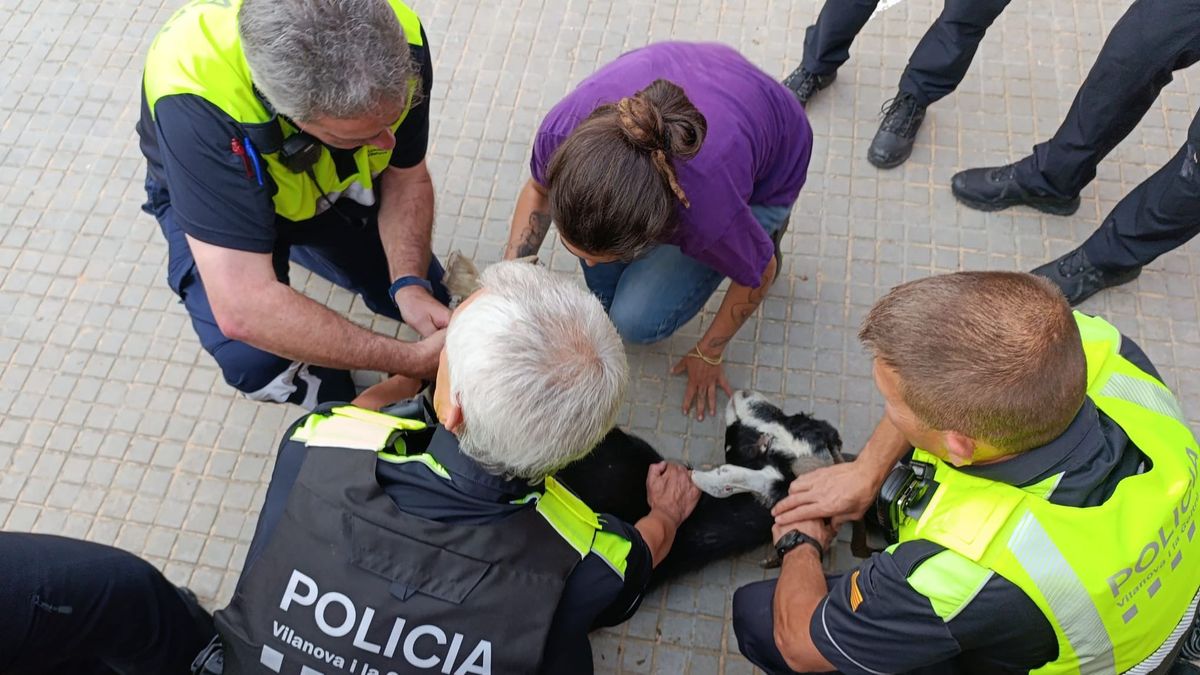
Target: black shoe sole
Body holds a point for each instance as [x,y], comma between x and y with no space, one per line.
[1053,208]
[880,163]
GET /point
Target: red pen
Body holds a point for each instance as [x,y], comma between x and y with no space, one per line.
[236,146]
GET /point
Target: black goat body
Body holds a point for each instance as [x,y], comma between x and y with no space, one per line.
[613,480]
[764,450]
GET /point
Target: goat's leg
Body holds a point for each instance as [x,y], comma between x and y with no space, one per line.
[730,479]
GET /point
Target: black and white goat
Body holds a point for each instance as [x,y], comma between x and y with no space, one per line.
[764,451]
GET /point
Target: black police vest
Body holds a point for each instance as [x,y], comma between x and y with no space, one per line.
[347,583]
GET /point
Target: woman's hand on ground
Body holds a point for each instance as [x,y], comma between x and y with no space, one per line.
[703,379]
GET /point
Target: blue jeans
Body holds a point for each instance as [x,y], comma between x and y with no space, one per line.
[650,298]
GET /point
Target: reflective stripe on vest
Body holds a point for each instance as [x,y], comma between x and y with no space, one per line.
[199,51]
[359,429]
[1117,581]
[350,427]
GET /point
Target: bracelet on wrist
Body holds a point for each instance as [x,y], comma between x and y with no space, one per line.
[697,354]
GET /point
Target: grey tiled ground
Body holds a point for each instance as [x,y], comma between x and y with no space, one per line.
[114,426]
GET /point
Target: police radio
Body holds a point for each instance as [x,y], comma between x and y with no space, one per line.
[904,494]
[300,152]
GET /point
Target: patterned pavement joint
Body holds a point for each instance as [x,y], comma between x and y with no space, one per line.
[116,427]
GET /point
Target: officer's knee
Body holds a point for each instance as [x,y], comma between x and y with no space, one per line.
[746,615]
[124,578]
[248,369]
[754,623]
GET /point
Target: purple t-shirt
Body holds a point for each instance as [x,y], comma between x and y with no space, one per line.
[756,150]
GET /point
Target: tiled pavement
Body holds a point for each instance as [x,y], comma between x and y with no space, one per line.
[114,426]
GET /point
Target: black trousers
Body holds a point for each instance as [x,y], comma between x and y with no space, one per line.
[936,66]
[70,606]
[1160,214]
[1152,40]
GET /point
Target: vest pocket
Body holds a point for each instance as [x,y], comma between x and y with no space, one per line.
[413,564]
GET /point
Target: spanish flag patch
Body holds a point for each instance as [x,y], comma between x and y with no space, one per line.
[856,596]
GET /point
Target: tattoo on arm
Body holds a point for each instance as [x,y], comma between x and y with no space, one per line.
[739,312]
[539,225]
[743,310]
[718,341]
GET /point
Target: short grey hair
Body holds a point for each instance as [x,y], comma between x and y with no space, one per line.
[327,58]
[538,370]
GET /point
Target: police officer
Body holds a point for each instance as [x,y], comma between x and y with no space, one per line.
[393,543]
[935,68]
[1152,40]
[295,129]
[1047,520]
[73,606]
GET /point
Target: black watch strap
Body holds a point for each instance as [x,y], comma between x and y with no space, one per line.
[794,538]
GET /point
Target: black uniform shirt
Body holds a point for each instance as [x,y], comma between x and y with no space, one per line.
[887,626]
[594,594]
[190,165]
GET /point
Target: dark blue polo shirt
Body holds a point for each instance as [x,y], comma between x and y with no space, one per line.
[594,595]
[892,628]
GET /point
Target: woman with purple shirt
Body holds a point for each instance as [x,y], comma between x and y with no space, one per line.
[666,171]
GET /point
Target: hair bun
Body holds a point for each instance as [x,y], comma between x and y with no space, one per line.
[642,124]
[660,117]
[661,121]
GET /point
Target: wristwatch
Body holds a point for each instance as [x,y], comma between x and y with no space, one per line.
[794,538]
[406,281]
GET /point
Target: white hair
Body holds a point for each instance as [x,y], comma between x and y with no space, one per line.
[326,58]
[538,370]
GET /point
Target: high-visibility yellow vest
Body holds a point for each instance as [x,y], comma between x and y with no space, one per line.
[199,51]
[357,428]
[1118,582]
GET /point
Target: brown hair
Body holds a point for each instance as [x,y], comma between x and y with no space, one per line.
[993,355]
[612,183]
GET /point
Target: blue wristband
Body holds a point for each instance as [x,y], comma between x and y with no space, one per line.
[406,281]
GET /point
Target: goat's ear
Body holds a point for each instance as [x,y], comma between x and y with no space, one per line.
[763,444]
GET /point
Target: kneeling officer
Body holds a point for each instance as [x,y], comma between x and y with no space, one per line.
[393,544]
[1045,523]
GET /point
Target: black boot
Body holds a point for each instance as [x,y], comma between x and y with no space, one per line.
[804,84]
[893,143]
[995,188]
[1079,279]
